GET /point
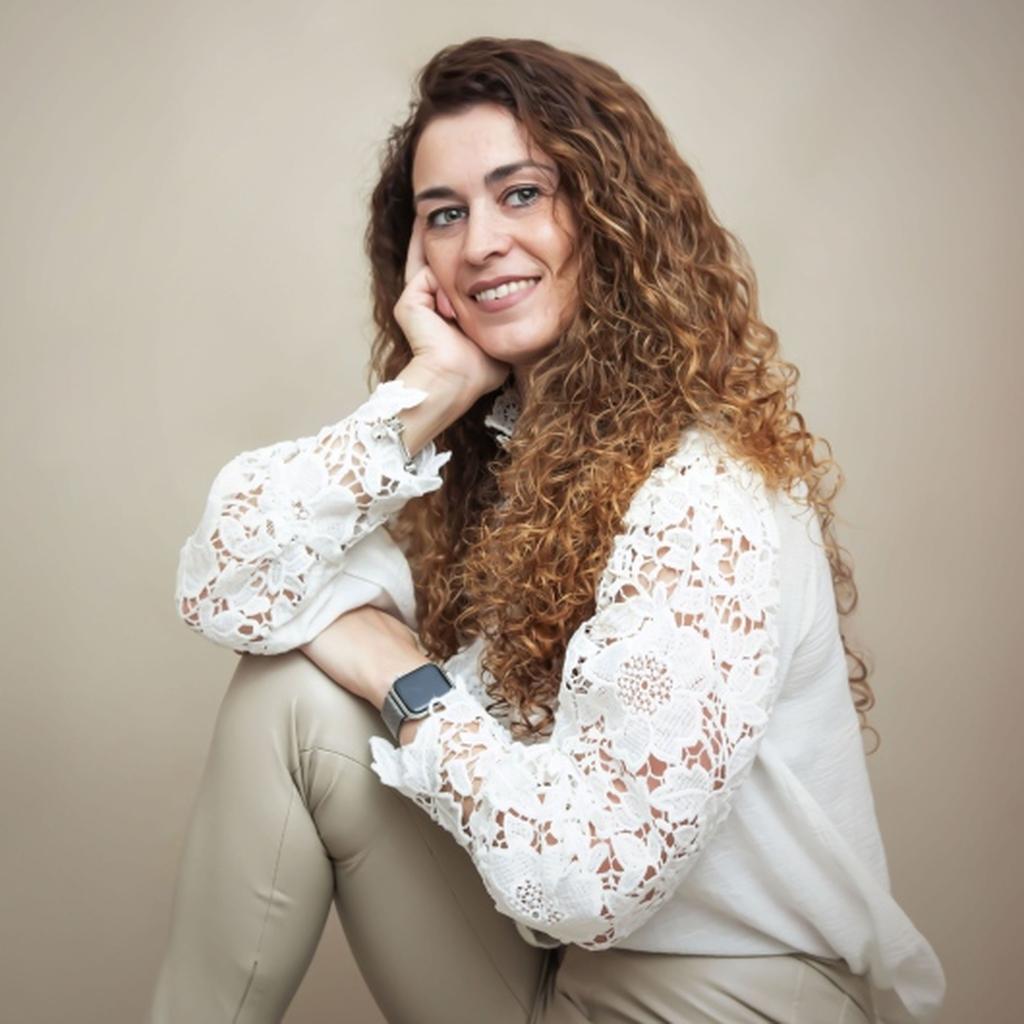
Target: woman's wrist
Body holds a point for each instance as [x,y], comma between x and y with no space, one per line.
[448,399]
[394,667]
[364,651]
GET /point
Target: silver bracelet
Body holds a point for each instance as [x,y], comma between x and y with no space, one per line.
[394,427]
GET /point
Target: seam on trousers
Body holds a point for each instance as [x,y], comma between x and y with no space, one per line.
[801,977]
[266,913]
[336,753]
[245,991]
[843,1009]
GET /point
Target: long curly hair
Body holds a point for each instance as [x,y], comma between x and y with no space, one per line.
[667,333]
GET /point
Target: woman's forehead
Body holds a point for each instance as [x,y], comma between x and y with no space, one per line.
[461,150]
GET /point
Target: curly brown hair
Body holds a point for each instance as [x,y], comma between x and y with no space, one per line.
[666,334]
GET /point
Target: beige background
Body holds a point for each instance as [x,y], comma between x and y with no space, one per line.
[183,197]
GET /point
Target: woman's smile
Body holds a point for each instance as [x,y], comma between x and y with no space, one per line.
[494,300]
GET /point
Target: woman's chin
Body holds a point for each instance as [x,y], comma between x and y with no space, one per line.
[510,343]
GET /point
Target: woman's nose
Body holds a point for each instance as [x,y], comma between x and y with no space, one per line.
[486,235]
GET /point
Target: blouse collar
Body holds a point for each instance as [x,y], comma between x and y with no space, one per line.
[501,420]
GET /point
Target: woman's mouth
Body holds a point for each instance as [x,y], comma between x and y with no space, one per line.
[494,300]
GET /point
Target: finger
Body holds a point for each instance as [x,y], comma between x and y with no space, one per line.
[415,259]
[444,305]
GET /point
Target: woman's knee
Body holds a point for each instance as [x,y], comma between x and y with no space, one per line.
[291,693]
[324,735]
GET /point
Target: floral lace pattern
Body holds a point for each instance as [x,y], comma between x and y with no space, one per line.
[501,420]
[666,691]
[665,697]
[279,521]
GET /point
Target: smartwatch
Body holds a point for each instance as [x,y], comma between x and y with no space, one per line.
[410,695]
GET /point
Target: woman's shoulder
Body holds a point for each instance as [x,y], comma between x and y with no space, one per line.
[702,476]
[704,459]
[703,452]
[737,488]
[701,446]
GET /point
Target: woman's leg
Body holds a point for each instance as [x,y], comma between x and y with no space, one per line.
[289,815]
[624,986]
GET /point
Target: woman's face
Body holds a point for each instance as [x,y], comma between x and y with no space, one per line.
[487,217]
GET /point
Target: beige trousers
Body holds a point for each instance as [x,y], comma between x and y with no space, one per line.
[289,816]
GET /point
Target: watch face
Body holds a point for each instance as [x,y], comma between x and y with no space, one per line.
[419,687]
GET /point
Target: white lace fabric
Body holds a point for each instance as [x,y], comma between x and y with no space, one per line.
[666,691]
[280,520]
[505,409]
[587,836]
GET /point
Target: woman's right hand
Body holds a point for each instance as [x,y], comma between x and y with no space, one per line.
[429,323]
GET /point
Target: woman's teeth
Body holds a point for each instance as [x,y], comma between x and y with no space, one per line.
[504,289]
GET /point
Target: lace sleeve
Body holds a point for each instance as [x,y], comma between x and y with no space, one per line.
[279,522]
[666,691]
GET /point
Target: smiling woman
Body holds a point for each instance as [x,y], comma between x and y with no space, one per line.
[629,781]
[504,255]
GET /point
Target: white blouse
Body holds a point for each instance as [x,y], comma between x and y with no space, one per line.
[704,789]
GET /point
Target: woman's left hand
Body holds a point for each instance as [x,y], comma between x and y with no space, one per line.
[365,650]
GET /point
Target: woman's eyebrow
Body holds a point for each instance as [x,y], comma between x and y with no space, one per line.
[498,174]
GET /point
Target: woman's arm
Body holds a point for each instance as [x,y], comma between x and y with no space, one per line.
[279,522]
[666,692]
[364,651]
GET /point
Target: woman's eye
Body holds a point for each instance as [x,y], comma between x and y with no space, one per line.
[526,188]
[438,218]
[432,217]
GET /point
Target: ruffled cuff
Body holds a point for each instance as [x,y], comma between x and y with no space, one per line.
[422,474]
[416,768]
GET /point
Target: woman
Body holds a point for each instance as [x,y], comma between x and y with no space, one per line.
[605,640]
